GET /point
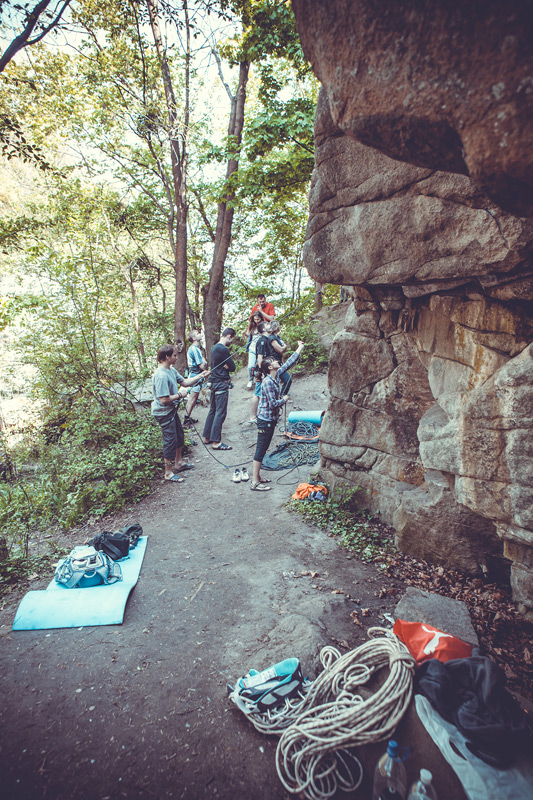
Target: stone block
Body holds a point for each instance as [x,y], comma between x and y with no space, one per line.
[444,613]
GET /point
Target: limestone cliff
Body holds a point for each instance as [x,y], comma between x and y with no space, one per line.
[415,203]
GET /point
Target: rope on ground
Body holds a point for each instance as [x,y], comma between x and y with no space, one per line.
[316,728]
[210,451]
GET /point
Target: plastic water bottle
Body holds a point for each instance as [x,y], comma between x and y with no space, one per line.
[422,789]
[390,780]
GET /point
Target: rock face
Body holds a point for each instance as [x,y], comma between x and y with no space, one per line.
[431,381]
[446,85]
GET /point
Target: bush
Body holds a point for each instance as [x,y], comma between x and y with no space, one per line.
[314,356]
[107,455]
[343,516]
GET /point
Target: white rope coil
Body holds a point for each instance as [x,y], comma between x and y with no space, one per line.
[328,717]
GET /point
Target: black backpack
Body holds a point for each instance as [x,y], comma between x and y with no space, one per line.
[117,545]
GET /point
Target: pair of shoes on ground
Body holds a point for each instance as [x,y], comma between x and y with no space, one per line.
[240,475]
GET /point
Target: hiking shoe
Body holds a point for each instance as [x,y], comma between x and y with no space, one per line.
[244,474]
[237,476]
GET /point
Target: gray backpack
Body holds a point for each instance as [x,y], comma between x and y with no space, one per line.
[85,566]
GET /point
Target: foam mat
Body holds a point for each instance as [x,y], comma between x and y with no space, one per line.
[58,607]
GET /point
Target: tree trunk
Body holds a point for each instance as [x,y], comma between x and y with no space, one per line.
[213,291]
[135,315]
[318,296]
[178,151]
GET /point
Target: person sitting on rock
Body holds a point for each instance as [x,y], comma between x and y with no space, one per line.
[165,384]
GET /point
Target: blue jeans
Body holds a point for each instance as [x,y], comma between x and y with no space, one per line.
[218,410]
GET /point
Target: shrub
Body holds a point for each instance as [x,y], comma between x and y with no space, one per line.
[314,356]
[343,516]
[107,455]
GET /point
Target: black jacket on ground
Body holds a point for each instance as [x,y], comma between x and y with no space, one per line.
[471,694]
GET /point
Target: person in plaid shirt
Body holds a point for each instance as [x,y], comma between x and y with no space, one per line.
[270,404]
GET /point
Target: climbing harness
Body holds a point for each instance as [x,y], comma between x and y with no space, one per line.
[329,716]
[302,431]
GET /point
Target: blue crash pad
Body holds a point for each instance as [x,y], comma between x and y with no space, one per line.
[59,607]
[306,416]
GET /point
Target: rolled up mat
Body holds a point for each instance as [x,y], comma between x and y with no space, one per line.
[306,416]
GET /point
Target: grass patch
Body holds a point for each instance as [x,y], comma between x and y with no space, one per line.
[344,516]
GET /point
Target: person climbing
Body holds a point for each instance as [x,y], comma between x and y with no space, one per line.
[221,365]
[261,350]
[266,309]
[196,363]
[270,404]
[253,338]
[165,383]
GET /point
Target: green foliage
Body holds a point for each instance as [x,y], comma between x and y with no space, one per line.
[343,516]
[314,356]
[103,455]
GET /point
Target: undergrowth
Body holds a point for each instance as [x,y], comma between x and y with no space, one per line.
[101,457]
[344,517]
[314,356]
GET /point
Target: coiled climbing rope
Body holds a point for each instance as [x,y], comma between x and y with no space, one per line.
[330,716]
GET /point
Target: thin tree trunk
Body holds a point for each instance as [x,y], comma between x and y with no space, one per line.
[135,315]
[318,296]
[213,291]
[178,150]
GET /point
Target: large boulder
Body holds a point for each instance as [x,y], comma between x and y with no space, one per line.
[445,85]
[419,201]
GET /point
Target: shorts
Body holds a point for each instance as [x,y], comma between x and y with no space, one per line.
[257,390]
[172,431]
[197,387]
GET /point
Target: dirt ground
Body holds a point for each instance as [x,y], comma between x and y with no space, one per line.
[139,710]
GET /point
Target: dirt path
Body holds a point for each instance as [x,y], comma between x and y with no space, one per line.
[139,710]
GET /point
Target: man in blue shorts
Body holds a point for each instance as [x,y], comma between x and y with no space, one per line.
[196,363]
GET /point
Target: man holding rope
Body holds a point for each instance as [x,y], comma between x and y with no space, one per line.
[221,364]
[165,383]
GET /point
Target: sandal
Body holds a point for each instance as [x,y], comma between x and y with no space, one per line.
[222,446]
[259,487]
[184,467]
[265,480]
[176,479]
